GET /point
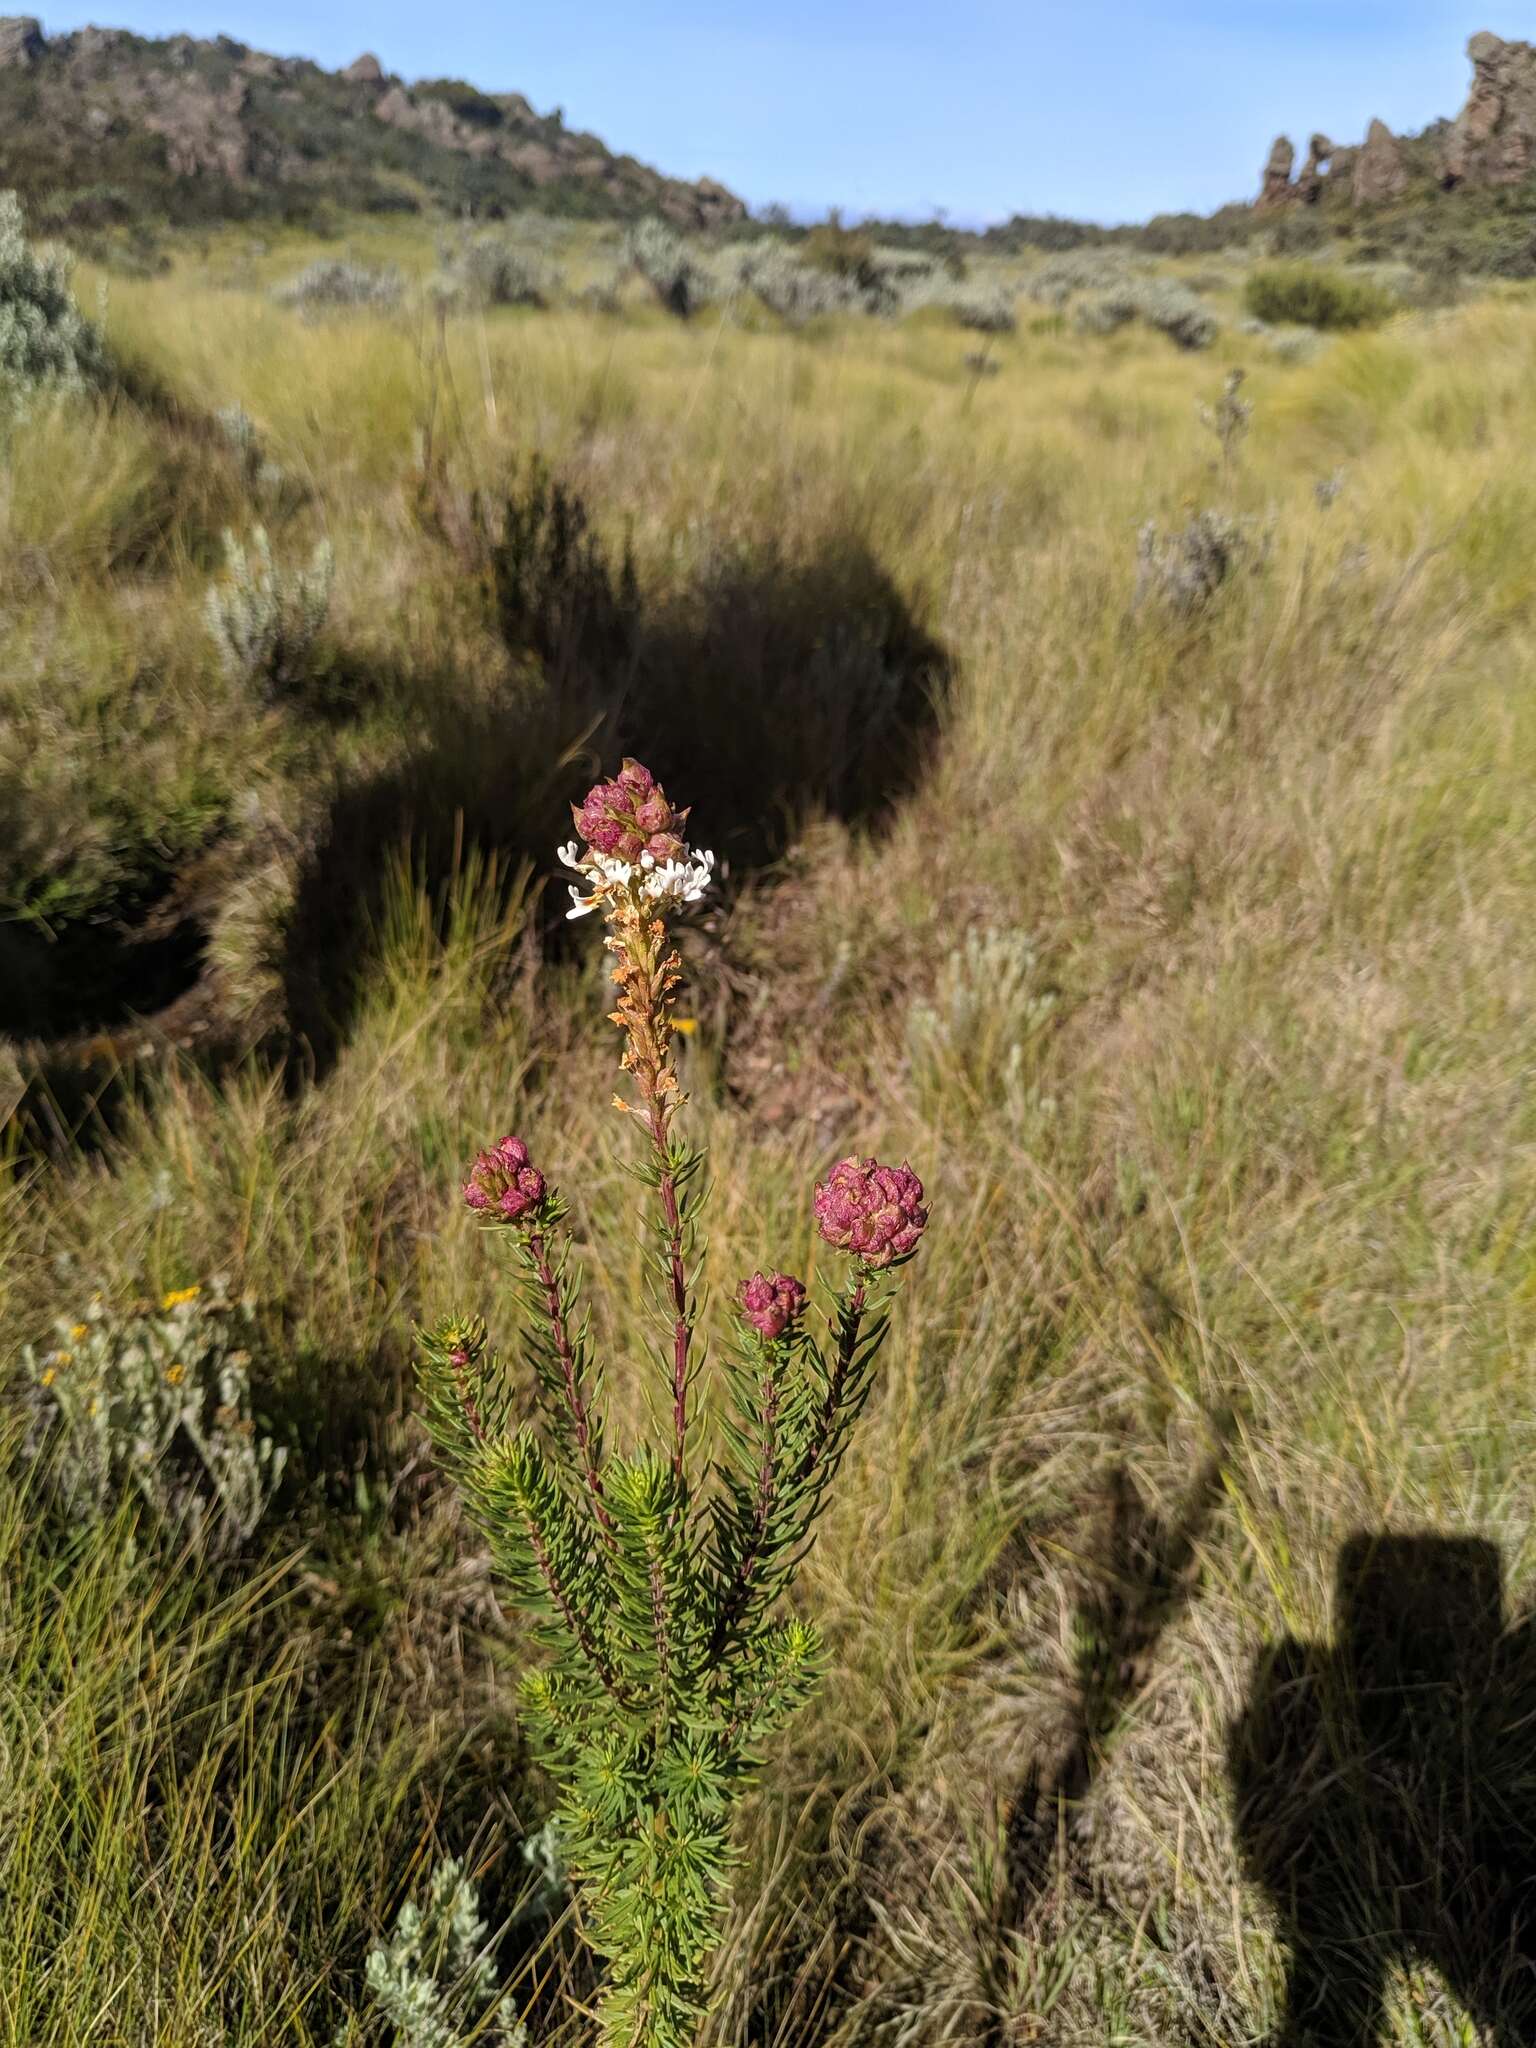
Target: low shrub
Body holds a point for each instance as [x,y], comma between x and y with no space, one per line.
[1159,302]
[155,1400]
[976,1035]
[1184,569]
[795,291]
[1228,419]
[334,284]
[45,340]
[667,264]
[1307,295]
[989,311]
[434,1981]
[264,619]
[604,294]
[1060,277]
[491,270]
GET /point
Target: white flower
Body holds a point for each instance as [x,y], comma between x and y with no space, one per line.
[680,881]
[661,884]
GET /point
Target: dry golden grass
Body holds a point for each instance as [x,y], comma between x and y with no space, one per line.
[1226,1114]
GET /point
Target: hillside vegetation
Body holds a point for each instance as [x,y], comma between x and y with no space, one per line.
[102,129]
[1121,774]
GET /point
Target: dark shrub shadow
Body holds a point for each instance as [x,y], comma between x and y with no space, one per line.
[766,689]
[1140,1576]
[1385,1791]
[766,686]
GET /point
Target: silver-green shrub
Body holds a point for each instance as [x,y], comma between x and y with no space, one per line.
[267,481]
[603,293]
[669,267]
[45,340]
[264,619]
[795,291]
[155,1401]
[1160,302]
[1228,419]
[987,310]
[975,1036]
[1185,568]
[434,1980]
[1061,277]
[334,283]
[492,270]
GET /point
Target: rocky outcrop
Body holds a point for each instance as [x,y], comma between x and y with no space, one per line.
[22,40]
[1380,169]
[1493,141]
[434,120]
[1309,186]
[1277,189]
[219,114]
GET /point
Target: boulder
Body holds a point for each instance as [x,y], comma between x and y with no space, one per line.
[364,70]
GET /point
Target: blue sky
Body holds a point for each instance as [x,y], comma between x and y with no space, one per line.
[1105,109]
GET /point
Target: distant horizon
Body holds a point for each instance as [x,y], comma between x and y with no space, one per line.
[1104,113]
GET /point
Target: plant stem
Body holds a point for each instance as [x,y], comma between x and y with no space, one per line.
[849,1324]
[767,1492]
[565,1352]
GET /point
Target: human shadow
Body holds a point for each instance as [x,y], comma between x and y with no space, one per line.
[1140,1575]
[1385,1793]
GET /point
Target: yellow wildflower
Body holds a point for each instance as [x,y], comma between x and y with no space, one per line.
[178,1295]
[79,1330]
[48,1376]
[175,1374]
[686,1025]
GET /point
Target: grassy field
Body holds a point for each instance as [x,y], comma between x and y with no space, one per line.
[1183,950]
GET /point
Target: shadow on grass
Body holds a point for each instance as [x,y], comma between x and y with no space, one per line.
[1143,1572]
[768,689]
[1386,1793]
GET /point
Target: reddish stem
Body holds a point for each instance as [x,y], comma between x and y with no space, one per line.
[565,1351]
[467,1401]
[678,1281]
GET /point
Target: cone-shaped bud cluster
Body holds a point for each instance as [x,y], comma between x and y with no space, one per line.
[504,1184]
[771,1303]
[630,816]
[461,1340]
[874,1211]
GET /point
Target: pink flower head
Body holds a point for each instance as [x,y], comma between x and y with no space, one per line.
[874,1211]
[771,1303]
[630,816]
[504,1183]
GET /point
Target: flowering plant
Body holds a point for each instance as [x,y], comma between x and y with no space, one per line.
[654,1575]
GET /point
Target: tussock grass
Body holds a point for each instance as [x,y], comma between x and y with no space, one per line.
[1233,1181]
